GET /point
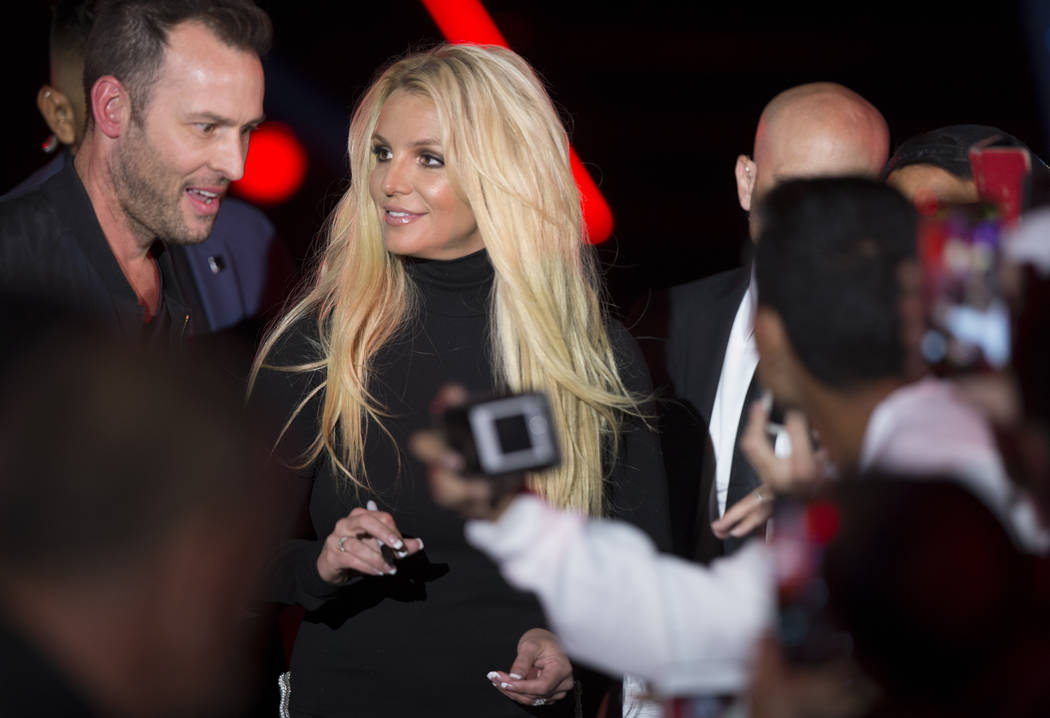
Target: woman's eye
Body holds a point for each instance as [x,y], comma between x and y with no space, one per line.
[382,153]
[431,160]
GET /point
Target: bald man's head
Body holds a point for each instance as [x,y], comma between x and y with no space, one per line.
[811,130]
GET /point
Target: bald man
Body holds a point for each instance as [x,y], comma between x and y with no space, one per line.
[710,354]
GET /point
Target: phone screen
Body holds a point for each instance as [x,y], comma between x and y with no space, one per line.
[967,315]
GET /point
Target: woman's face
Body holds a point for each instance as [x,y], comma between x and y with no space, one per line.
[421,215]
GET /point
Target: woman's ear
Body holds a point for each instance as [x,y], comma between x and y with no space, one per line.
[58,113]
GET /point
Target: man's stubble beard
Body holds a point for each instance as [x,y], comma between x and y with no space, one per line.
[152,209]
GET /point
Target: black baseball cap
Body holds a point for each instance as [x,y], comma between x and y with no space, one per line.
[949,148]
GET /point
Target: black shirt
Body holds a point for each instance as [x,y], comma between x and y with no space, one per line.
[421,642]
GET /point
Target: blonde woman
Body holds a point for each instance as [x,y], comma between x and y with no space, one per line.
[458,254]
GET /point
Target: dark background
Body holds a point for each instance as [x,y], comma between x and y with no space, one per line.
[660,97]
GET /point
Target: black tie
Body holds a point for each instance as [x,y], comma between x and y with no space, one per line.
[742,478]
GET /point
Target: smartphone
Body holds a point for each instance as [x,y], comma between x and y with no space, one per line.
[1001,173]
[806,629]
[967,314]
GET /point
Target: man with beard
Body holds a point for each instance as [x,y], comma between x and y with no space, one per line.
[174,89]
[232,280]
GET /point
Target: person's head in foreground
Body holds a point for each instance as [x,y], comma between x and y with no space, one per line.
[831,334]
[133,516]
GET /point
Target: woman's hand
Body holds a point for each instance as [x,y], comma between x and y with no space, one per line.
[541,673]
[354,546]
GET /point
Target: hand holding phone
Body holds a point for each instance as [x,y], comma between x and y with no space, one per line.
[503,435]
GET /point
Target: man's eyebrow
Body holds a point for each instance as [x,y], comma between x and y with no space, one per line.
[214,119]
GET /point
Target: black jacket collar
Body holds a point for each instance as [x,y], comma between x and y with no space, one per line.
[66,192]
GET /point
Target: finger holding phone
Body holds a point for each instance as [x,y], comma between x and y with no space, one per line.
[478,454]
[355,546]
[793,465]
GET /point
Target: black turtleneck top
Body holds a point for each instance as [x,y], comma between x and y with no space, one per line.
[421,642]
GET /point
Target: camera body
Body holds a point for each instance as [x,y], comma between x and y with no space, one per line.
[504,435]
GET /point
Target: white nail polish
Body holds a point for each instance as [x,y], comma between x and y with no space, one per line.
[504,685]
[371,505]
[515,676]
[402,554]
[398,544]
[492,675]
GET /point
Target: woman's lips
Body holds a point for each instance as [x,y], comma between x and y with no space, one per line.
[399,217]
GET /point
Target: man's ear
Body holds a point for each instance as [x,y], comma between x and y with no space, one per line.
[746,171]
[58,113]
[110,106]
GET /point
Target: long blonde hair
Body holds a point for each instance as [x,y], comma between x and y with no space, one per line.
[507,155]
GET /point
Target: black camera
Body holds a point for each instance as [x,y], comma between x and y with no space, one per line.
[504,435]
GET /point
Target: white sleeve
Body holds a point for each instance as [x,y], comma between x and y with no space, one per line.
[618,604]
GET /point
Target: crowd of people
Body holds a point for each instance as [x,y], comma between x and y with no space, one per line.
[782,502]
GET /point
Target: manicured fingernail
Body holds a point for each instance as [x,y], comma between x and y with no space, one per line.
[504,685]
[392,571]
[371,505]
[420,543]
[492,676]
[395,542]
[515,676]
[402,554]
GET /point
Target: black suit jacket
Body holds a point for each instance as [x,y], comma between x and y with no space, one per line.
[52,249]
[684,338]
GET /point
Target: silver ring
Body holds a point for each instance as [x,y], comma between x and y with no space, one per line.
[540,702]
[342,540]
[759,495]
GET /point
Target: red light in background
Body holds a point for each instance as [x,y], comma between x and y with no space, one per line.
[467,21]
[275,168]
[596,211]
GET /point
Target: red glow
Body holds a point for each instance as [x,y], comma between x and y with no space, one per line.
[822,519]
[467,21]
[596,211]
[275,168]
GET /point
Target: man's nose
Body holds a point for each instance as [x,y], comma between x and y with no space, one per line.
[230,155]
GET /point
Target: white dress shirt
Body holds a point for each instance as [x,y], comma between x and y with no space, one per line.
[738,368]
